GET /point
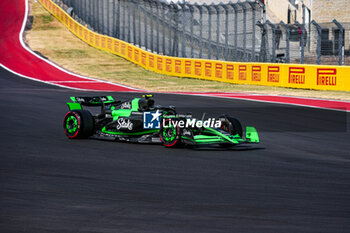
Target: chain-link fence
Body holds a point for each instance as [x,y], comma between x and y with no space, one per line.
[231,31]
[309,44]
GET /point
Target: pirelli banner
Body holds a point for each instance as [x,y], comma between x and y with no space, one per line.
[281,75]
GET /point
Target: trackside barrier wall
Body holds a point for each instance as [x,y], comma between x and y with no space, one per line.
[267,74]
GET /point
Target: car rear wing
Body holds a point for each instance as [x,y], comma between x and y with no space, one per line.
[93,100]
[78,102]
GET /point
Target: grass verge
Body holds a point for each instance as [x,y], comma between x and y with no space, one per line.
[49,37]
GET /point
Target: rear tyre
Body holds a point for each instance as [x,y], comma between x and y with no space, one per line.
[169,134]
[78,124]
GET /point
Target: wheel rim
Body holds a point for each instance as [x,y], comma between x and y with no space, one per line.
[169,133]
[71,124]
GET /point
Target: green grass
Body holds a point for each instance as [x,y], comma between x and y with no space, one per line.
[72,53]
[44,22]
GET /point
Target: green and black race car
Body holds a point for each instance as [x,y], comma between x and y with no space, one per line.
[139,120]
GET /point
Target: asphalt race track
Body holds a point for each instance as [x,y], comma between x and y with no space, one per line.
[296,180]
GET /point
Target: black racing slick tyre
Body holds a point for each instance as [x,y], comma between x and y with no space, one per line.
[233,127]
[237,126]
[169,134]
[78,124]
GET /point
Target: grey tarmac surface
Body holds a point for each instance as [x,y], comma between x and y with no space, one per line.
[296,180]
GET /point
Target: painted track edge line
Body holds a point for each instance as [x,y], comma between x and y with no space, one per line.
[42,81]
[24,45]
[264,101]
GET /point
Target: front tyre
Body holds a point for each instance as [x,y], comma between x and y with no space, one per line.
[169,134]
[78,124]
[232,126]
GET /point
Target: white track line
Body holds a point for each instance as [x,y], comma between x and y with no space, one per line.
[264,101]
[53,64]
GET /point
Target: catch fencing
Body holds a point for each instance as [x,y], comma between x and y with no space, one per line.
[221,32]
[229,32]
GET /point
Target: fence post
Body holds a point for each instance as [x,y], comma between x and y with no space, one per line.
[225,7]
[301,41]
[183,15]
[319,38]
[209,28]
[89,14]
[191,29]
[244,30]
[273,28]
[124,19]
[129,20]
[158,6]
[103,17]
[77,14]
[170,29]
[108,20]
[200,8]
[95,14]
[118,20]
[139,25]
[163,26]
[85,12]
[176,30]
[216,7]
[252,5]
[145,23]
[151,22]
[98,15]
[340,41]
[287,40]
[263,47]
[134,21]
[113,19]
[235,53]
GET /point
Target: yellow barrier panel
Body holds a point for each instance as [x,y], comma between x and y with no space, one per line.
[279,75]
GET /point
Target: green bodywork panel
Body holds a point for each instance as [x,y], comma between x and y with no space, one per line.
[110,98]
[73,99]
[218,137]
[252,135]
[74,106]
[126,112]
[205,139]
[222,137]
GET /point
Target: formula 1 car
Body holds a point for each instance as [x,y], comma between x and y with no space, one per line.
[139,120]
